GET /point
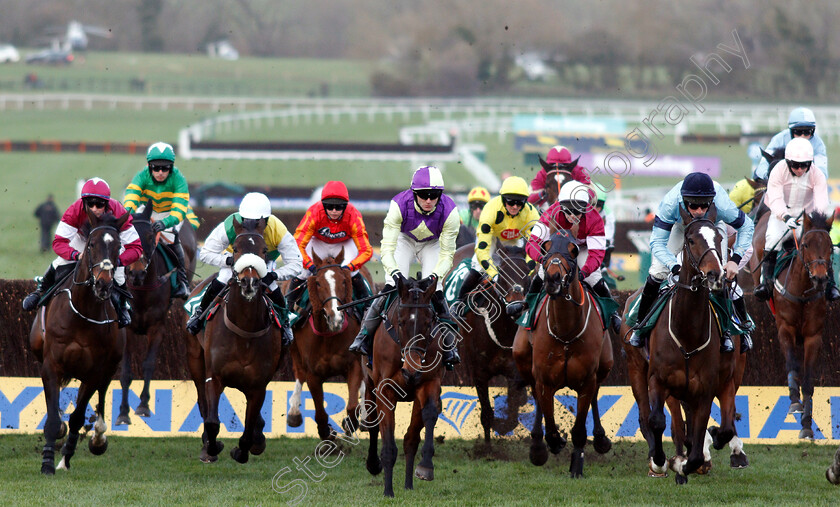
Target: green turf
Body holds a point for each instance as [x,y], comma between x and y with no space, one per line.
[137,471]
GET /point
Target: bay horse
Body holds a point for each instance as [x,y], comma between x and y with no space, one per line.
[149,282]
[568,346]
[488,333]
[685,361]
[556,175]
[407,366]
[76,336]
[240,348]
[320,349]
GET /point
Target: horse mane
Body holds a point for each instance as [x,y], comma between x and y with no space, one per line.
[819,221]
[107,219]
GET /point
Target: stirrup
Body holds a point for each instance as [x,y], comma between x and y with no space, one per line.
[726,344]
[636,340]
[746,342]
[194,322]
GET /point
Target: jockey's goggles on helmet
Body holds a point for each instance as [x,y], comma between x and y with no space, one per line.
[514,201]
[334,204]
[697,203]
[95,202]
[477,205]
[428,194]
[802,131]
[160,166]
[575,208]
[806,164]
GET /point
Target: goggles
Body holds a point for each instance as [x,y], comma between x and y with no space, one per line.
[428,194]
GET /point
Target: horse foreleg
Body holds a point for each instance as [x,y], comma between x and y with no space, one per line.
[354,380]
[487,415]
[545,401]
[322,420]
[678,426]
[255,399]
[295,419]
[600,442]
[77,419]
[98,444]
[155,339]
[656,423]
[213,391]
[412,442]
[195,364]
[811,352]
[369,418]
[53,423]
[787,337]
[386,404]
[584,400]
[430,412]
[125,382]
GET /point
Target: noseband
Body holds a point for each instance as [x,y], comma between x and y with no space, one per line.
[567,280]
[106,264]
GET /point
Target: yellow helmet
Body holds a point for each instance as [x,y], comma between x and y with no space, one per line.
[478,194]
[514,185]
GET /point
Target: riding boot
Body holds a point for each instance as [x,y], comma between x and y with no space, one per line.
[182,291]
[373,316]
[471,281]
[649,294]
[765,289]
[831,292]
[195,323]
[361,289]
[515,308]
[449,345]
[122,307]
[602,290]
[276,297]
[740,309]
[296,288]
[30,302]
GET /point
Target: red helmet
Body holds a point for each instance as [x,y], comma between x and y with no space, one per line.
[558,155]
[335,190]
[96,187]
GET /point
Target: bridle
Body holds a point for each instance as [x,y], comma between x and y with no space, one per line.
[415,345]
[105,265]
[700,279]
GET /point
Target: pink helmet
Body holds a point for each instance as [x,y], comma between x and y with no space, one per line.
[558,155]
[96,187]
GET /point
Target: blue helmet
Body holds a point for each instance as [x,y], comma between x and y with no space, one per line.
[802,117]
[698,187]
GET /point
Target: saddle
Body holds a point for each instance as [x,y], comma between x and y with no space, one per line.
[536,302]
[279,314]
[62,273]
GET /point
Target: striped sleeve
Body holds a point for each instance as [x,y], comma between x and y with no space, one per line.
[360,238]
[303,234]
[179,199]
[134,191]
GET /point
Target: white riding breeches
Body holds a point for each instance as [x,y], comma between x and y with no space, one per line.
[324,250]
[424,252]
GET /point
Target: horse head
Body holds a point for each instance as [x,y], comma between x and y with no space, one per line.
[330,287]
[556,175]
[414,320]
[513,272]
[102,249]
[815,248]
[136,271]
[560,263]
[249,251]
[702,243]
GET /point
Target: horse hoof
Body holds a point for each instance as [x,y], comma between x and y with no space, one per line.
[259,445]
[796,408]
[239,455]
[704,469]
[64,464]
[215,451]
[62,431]
[98,450]
[806,434]
[829,476]
[294,420]
[142,410]
[538,455]
[424,474]
[374,467]
[602,444]
[206,458]
[680,479]
[738,460]
[122,420]
[47,468]
[555,442]
[656,475]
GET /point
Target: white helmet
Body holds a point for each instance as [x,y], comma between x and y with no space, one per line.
[575,195]
[255,206]
[799,149]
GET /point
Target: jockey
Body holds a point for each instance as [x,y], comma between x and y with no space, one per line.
[476,199]
[68,242]
[164,184]
[422,223]
[508,218]
[217,251]
[573,212]
[556,156]
[609,223]
[801,124]
[790,193]
[695,194]
[328,227]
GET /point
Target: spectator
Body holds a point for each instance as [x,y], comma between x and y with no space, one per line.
[47,214]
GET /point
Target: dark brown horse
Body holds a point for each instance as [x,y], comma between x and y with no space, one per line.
[239,348]
[488,332]
[567,347]
[407,366]
[685,358]
[76,336]
[555,176]
[148,281]
[320,349]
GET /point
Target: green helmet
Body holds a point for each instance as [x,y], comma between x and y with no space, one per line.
[160,151]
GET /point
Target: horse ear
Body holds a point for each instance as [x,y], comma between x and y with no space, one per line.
[685,215]
[147,210]
[122,220]
[768,157]
[545,165]
[316,259]
[237,226]
[573,250]
[806,222]
[712,213]
[571,165]
[339,259]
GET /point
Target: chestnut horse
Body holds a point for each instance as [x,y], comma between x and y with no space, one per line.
[555,176]
[320,349]
[685,360]
[76,336]
[407,366]
[239,348]
[149,283]
[567,347]
[488,332]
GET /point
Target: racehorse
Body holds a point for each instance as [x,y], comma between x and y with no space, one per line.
[148,281]
[555,176]
[800,309]
[407,366]
[240,348]
[320,349]
[567,347]
[76,336]
[685,361]
[488,333]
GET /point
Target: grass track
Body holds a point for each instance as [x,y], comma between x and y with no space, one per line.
[165,471]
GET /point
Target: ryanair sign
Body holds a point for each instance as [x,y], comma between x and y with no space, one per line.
[763,411]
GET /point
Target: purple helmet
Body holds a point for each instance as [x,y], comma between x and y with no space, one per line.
[427,177]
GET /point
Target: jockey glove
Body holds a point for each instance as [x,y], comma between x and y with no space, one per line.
[270,277]
[675,270]
[791,222]
[158,226]
[433,278]
[397,276]
[75,255]
[349,267]
[229,260]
